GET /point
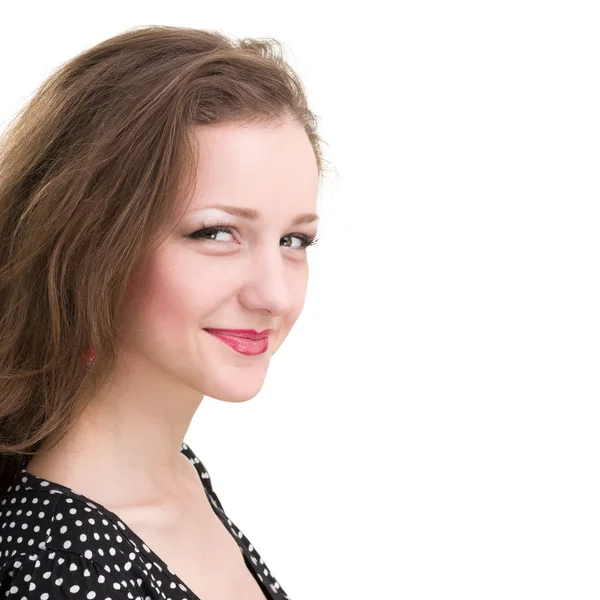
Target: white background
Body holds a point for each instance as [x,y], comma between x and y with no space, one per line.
[430,428]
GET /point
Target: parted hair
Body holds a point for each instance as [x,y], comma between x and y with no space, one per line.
[90,170]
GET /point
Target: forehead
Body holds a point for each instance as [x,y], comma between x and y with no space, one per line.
[257,163]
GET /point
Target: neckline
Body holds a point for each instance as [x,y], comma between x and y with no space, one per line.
[124,528]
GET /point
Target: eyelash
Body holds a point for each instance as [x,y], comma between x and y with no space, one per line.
[221,227]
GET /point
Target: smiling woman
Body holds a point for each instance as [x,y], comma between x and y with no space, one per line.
[157,201]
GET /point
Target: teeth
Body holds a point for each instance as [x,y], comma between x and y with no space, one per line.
[240,335]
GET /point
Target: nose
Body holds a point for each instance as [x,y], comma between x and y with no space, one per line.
[273,282]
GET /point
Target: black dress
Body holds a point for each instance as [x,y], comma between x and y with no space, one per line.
[56,543]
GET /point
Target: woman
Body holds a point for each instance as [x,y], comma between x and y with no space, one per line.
[157,199]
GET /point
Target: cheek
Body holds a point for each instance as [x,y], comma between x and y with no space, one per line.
[300,288]
[167,298]
[179,290]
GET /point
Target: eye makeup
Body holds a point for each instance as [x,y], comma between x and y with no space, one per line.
[205,230]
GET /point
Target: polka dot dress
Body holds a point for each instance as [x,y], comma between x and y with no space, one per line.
[58,544]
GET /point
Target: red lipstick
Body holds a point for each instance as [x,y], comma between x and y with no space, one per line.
[244,341]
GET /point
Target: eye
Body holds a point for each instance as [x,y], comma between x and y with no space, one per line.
[205,232]
[208,233]
[305,240]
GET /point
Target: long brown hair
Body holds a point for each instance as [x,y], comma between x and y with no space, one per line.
[89,173]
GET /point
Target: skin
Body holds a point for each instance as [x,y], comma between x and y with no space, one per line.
[254,278]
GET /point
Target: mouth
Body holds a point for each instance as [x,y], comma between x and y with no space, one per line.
[244,342]
[249,334]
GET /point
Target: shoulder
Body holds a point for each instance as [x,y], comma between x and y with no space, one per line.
[45,544]
[51,574]
[54,541]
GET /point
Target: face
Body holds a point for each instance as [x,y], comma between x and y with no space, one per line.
[252,275]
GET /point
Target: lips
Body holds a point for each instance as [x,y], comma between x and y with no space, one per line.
[241,342]
[249,334]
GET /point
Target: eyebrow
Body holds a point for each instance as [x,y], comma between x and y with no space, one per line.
[253,215]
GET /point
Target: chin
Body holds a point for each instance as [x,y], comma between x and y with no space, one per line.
[232,393]
[234,397]
[237,399]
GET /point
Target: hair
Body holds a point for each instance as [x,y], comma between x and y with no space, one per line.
[90,170]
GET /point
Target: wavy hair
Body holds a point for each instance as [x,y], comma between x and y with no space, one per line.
[89,172]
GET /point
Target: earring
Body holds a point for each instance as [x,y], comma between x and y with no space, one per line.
[90,356]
